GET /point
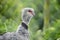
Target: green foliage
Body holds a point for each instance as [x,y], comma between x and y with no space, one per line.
[9,15]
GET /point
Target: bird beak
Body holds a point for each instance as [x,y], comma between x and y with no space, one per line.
[33,14]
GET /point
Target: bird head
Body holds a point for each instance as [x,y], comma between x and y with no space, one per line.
[27,14]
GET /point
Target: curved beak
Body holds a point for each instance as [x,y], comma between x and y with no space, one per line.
[33,13]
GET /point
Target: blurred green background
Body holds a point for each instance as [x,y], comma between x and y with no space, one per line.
[10,17]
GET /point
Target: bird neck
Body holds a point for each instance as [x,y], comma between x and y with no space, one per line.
[24,25]
[23,28]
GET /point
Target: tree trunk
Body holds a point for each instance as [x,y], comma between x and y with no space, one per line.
[46,18]
[46,14]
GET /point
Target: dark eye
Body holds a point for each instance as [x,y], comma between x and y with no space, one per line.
[29,11]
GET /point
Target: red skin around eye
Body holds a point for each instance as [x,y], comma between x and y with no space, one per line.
[30,11]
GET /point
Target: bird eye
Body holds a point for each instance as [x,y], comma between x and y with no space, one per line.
[29,11]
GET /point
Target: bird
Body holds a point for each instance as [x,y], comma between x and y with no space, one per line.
[22,32]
